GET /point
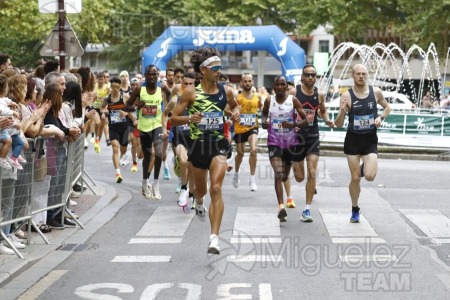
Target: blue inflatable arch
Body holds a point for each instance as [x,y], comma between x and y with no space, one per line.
[186,38]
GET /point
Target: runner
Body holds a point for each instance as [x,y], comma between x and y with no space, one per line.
[181,144]
[206,104]
[102,91]
[133,136]
[361,139]
[313,103]
[113,109]
[247,129]
[151,99]
[279,117]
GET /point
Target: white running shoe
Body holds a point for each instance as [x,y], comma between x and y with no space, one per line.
[236,180]
[201,212]
[16,243]
[124,160]
[253,186]
[5,250]
[146,191]
[213,247]
[183,198]
[155,192]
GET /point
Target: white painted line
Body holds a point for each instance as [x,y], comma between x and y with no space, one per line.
[166,221]
[42,285]
[257,221]
[131,259]
[254,258]
[358,258]
[255,240]
[445,278]
[440,241]
[156,241]
[338,225]
[430,221]
[365,240]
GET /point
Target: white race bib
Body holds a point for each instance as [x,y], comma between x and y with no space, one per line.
[277,125]
[211,121]
[248,120]
[116,118]
[363,122]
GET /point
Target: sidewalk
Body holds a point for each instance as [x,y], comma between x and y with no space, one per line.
[88,206]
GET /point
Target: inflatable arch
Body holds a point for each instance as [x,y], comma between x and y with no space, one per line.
[187,38]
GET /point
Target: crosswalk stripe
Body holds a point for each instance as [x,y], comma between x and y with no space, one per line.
[155,241]
[430,221]
[254,258]
[166,221]
[153,258]
[255,240]
[368,258]
[364,240]
[338,225]
[440,241]
[256,221]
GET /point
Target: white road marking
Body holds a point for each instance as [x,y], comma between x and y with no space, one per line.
[364,240]
[254,258]
[42,285]
[430,221]
[143,258]
[256,221]
[166,221]
[338,225]
[155,241]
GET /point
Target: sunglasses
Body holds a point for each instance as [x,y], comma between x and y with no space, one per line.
[312,75]
[214,68]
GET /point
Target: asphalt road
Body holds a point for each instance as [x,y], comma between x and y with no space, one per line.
[151,250]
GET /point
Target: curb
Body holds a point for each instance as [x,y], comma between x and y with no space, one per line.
[42,256]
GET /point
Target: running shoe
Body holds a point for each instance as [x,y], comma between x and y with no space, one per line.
[108,143]
[176,166]
[134,168]
[119,178]
[306,216]
[282,214]
[155,192]
[146,191]
[13,162]
[236,180]
[213,247]
[201,212]
[290,203]
[123,160]
[187,208]
[4,164]
[92,140]
[253,186]
[183,198]
[21,160]
[97,147]
[166,173]
[355,217]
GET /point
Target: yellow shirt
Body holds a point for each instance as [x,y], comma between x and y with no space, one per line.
[249,114]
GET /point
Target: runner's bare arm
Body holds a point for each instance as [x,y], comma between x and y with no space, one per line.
[298,107]
[234,106]
[323,110]
[343,109]
[186,100]
[384,104]
[265,114]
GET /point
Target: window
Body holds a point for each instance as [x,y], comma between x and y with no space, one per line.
[324,46]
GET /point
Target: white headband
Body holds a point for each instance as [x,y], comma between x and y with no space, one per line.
[210,60]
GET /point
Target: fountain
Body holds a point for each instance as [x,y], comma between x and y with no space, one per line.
[390,68]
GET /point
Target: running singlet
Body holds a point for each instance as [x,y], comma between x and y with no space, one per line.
[310,104]
[114,117]
[210,127]
[278,113]
[150,114]
[362,115]
[101,94]
[249,114]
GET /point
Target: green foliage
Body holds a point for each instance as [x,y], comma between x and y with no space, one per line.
[131,25]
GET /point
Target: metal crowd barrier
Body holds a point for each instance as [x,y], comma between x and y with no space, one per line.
[44,184]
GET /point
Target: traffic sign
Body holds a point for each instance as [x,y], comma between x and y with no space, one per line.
[51,6]
[72,45]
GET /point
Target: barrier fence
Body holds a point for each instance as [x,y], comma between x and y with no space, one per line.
[42,189]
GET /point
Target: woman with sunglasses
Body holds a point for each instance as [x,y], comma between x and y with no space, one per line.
[206,104]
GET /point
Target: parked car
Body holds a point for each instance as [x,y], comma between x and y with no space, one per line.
[397,101]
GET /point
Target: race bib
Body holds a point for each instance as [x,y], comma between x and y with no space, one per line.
[116,118]
[248,120]
[363,122]
[211,121]
[310,114]
[149,111]
[183,128]
[277,125]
